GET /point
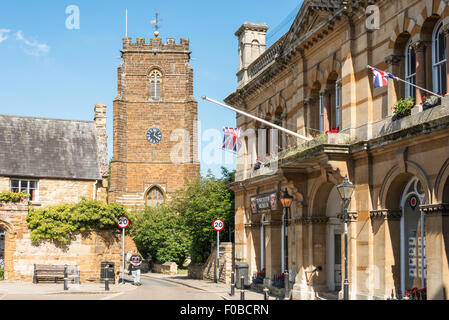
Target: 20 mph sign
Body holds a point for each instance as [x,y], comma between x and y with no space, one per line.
[123,222]
[218,225]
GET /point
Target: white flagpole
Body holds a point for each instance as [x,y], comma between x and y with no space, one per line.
[258,119]
[399,79]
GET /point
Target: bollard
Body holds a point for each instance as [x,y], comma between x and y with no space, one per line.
[265,293]
[286,282]
[232,283]
[66,286]
[242,292]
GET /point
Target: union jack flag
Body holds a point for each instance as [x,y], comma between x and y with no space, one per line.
[381,77]
[231,140]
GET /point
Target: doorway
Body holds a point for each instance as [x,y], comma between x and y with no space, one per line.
[413,240]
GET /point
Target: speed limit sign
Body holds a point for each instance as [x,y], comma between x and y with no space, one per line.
[123,222]
[218,225]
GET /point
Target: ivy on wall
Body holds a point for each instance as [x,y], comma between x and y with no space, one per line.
[13,196]
[61,221]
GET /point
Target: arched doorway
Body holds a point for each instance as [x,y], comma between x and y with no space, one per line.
[333,241]
[413,257]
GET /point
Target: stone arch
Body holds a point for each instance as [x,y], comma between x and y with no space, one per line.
[8,227]
[298,198]
[404,25]
[157,68]
[442,183]
[394,183]
[160,192]
[318,197]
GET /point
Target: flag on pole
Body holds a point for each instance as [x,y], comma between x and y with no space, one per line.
[381,77]
[231,140]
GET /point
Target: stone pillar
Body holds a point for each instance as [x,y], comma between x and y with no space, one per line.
[395,88]
[102,138]
[326,110]
[420,50]
[352,254]
[437,250]
[386,270]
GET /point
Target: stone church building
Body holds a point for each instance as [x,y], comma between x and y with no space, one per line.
[314,80]
[62,161]
[155,123]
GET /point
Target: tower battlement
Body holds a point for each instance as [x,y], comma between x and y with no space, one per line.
[156,44]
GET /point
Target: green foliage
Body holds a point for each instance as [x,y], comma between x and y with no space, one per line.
[403,106]
[183,226]
[203,201]
[13,196]
[2,274]
[60,222]
[163,233]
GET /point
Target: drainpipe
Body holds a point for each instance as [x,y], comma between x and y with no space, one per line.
[95,190]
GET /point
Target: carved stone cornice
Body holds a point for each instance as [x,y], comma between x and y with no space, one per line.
[435,209]
[352,216]
[445,29]
[419,46]
[254,225]
[386,214]
[310,220]
[393,59]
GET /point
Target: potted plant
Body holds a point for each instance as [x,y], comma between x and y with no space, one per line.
[403,108]
[430,102]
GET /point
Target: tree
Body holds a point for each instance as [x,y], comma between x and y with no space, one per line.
[203,201]
[162,232]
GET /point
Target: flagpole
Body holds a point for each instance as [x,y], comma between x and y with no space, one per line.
[126,24]
[409,83]
[258,119]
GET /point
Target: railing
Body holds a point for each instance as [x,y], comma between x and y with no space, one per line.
[265,59]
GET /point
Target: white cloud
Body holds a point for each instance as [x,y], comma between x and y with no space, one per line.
[4,34]
[33,48]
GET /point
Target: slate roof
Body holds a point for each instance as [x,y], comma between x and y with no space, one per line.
[48,148]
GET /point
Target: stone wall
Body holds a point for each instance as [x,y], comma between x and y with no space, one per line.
[207,270]
[86,249]
[53,191]
[170,268]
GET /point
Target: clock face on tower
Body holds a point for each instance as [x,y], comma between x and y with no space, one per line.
[154,135]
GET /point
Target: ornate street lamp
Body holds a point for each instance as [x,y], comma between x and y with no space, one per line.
[346,190]
[286,201]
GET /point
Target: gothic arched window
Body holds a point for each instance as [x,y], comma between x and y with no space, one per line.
[410,70]
[439,60]
[155,197]
[155,84]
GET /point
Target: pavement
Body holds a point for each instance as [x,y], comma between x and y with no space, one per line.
[97,290]
[223,290]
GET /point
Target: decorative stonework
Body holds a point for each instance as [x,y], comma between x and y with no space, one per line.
[435,209]
[352,216]
[393,59]
[386,214]
[310,220]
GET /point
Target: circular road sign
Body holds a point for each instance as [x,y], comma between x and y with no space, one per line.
[218,225]
[123,222]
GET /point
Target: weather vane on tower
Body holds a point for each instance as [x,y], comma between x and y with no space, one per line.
[156,24]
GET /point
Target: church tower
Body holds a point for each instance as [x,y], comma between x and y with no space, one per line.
[155,117]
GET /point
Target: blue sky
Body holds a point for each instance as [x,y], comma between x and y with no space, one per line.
[47,70]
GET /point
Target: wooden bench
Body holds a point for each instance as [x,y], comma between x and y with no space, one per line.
[48,273]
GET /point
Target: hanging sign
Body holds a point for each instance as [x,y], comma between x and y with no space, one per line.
[264,203]
[413,202]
